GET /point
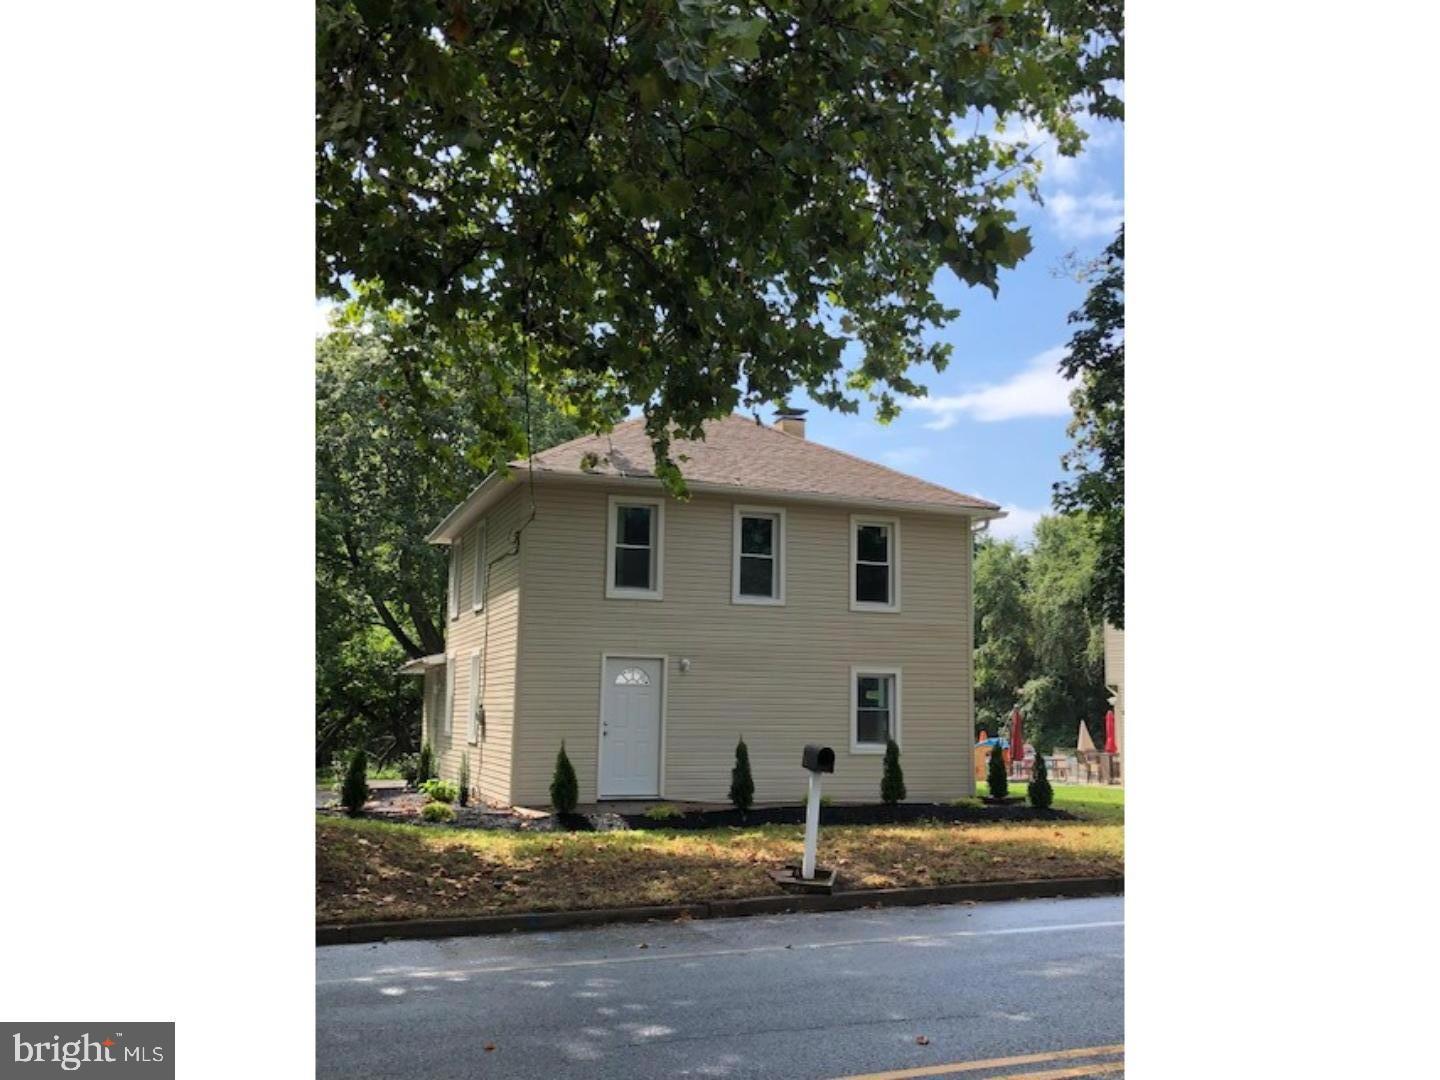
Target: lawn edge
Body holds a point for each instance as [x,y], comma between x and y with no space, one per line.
[532,921]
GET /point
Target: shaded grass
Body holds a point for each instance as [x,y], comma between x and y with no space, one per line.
[377,870]
[1085,800]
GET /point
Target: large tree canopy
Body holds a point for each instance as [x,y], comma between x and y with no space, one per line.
[1037,643]
[691,205]
[399,441]
[1096,460]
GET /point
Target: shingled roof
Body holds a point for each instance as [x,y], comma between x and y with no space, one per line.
[740,453]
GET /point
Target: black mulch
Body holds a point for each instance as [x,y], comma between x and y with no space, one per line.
[868,814]
[404,807]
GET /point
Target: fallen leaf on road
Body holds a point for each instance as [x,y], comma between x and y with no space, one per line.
[643,945]
[922,1040]
[489,1047]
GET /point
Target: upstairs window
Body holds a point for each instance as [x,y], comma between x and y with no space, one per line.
[874,708]
[874,564]
[759,569]
[635,548]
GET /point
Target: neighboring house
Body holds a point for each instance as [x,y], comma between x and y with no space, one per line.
[1115,681]
[800,595]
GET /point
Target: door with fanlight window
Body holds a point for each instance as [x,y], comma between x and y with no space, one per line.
[630,711]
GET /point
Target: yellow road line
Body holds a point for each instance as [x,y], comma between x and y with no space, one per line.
[1100,1069]
[1000,1063]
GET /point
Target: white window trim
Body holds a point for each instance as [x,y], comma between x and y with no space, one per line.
[447,720]
[856,746]
[456,552]
[736,597]
[657,553]
[893,523]
[477,696]
[478,587]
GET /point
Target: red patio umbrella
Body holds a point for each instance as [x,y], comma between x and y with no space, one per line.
[1017,738]
[1111,746]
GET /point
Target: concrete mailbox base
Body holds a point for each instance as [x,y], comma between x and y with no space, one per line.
[791,880]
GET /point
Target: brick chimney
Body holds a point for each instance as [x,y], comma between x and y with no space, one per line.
[790,421]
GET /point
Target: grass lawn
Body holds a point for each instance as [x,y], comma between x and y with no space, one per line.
[325,778]
[368,870]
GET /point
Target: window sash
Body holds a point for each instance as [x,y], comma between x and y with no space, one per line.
[874,719]
[869,574]
[628,556]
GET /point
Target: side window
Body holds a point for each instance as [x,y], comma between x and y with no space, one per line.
[758,573]
[874,708]
[635,538]
[478,543]
[875,564]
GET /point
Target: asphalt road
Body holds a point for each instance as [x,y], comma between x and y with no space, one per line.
[810,995]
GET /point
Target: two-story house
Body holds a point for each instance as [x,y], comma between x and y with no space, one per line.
[800,595]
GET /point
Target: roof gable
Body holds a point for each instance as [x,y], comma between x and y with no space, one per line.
[741,453]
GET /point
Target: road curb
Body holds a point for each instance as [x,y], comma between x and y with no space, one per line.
[529,922]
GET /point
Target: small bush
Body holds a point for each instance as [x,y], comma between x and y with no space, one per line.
[742,785]
[1041,793]
[564,787]
[996,778]
[892,783]
[662,812]
[465,779]
[440,790]
[437,811]
[425,767]
[409,768]
[354,791]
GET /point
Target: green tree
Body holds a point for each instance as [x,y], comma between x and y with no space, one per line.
[999,783]
[1004,640]
[1067,637]
[564,787]
[1096,461]
[688,205]
[742,785]
[1040,793]
[464,782]
[354,791]
[892,779]
[425,769]
[399,441]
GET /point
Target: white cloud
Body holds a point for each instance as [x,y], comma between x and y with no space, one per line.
[1018,525]
[1082,217]
[905,457]
[1037,390]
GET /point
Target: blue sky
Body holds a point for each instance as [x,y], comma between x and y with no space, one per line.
[994,423]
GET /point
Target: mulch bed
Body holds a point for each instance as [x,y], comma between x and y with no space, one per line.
[865,814]
[403,807]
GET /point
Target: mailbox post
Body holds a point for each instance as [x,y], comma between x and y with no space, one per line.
[817,760]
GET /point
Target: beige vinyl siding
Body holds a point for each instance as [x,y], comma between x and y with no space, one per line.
[779,675]
[493,632]
[1115,677]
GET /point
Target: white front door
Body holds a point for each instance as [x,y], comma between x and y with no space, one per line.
[630,727]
